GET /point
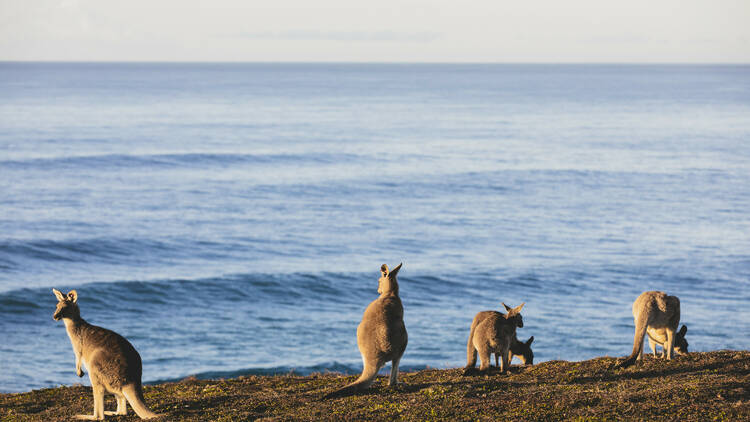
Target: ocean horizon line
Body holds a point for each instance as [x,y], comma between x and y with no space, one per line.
[366,62]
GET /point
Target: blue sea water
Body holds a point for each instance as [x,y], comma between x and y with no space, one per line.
[232,218]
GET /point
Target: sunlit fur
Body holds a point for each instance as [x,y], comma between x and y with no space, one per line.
[113,363]
[381,336]
[657,337]
[492,332]
[658,315]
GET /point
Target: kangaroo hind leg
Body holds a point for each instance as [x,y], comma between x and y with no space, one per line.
[122,405]
[485,357]
[471,357]
[98,404]
[504,360]
[669,345]
[394,371]
[652,345]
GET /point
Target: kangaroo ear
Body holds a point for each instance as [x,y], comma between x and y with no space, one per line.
[73,296]
[683,330]
[58,295]
[513,311]
[530,340]
[507,308]
[394,271]
[384,270]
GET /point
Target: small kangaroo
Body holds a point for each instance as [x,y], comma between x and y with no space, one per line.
[113,363]
[381,336]
[521,350]
[492,332]
[657,337]
[657,315]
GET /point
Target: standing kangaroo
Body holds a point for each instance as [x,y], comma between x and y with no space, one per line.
[381,336]
[657,315]
[492,332]
[113,363]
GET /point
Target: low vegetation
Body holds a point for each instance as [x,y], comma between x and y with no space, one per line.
[699,387]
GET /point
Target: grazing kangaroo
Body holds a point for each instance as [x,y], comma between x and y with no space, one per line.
[113,363]
[658,315]
[658,337]
[492,332]
[381,336]
[521,350]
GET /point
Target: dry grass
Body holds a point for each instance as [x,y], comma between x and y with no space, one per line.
[699,387]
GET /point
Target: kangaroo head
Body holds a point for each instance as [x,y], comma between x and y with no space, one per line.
[514,314]
[680,344]
[388,283]
[523,351]
[67,305]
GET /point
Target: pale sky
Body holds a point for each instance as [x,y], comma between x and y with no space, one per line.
[647,31]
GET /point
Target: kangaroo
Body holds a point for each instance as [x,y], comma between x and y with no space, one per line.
[658,337]
[492,332]
[381,336]
[521,350]
[113,363]
[658,315]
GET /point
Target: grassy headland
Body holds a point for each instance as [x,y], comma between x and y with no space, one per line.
[699,387]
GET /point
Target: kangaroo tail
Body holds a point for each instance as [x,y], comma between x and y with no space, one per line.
[134,394]
[368,376]
[471,351]
[640,331]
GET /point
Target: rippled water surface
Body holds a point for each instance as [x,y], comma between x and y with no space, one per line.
[232,218]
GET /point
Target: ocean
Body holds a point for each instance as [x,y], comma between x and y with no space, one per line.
[231,219]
